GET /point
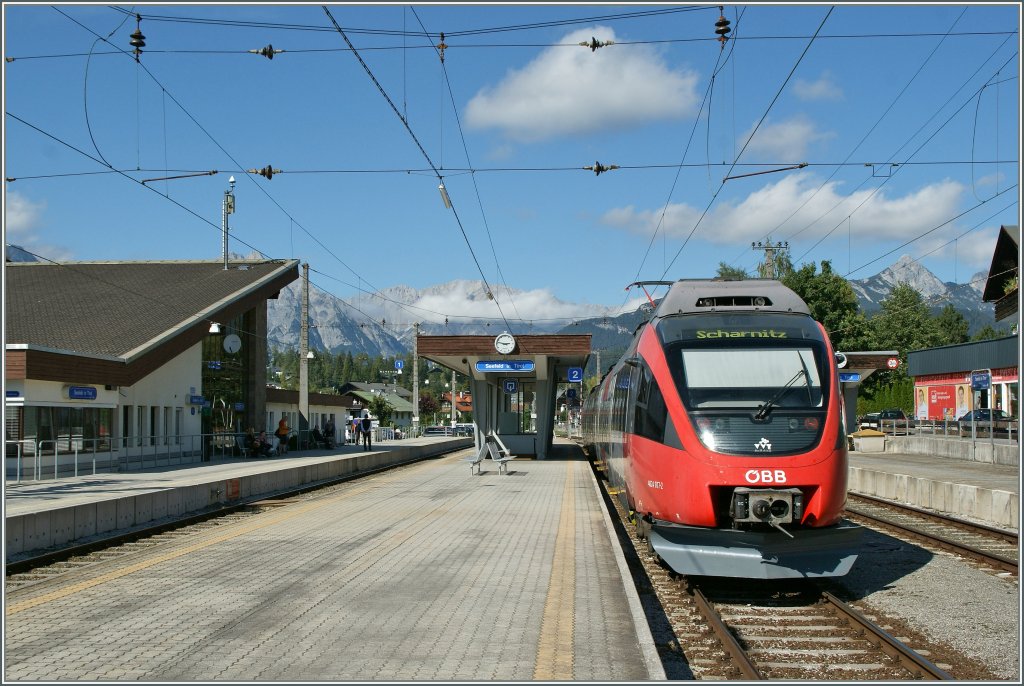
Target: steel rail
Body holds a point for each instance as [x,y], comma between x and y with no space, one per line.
[888,644]
[1008,536]
[726,637]
[994,559]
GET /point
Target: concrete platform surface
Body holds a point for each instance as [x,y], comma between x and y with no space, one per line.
[980,490]
[424,573]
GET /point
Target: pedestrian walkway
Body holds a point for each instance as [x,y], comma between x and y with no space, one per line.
[59,512]
[425,573]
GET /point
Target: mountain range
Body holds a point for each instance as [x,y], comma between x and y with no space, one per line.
[381,323]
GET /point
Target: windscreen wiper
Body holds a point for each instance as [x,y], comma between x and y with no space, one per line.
[766,409]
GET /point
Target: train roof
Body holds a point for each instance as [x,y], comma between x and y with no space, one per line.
[696,296]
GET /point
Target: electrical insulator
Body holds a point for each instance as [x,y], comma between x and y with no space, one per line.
[722,27]
[441,47]
[598,168]
[267,172]
[267,52]
[138,41]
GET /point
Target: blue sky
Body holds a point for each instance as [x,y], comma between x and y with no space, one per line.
[358,199]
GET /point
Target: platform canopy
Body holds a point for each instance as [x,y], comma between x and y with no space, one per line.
[552,355]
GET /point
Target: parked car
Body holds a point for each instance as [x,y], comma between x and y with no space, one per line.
[893,419]
[984,421]
[869,421]
[463,429]
[437,431]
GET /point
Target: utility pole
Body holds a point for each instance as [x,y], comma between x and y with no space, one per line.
[303,360]
[454,414]
[227,207]
[767,269]
[415,381]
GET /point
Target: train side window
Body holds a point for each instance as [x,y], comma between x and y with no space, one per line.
[651,413]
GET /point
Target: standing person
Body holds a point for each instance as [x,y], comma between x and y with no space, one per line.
[282,434]
[367,427]
[355,430]
[329,433]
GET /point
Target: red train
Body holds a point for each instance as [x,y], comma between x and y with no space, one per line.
[722,429]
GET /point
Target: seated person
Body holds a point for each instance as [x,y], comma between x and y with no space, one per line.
[251,443]
[263,445]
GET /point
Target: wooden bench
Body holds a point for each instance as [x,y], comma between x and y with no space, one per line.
[476,460]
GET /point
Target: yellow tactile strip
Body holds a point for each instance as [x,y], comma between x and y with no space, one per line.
[555,646]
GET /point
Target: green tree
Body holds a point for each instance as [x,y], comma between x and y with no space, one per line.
[381,409]
[832,302]
[731,273]
[903,324]
[952,326]
[988,332]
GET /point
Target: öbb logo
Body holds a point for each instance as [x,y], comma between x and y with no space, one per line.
[765,476]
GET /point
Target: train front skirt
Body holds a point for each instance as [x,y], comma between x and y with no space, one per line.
[821,552]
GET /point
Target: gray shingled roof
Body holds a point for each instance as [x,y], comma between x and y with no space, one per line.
[111,308]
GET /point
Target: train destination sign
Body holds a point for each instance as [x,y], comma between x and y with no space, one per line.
[505,366]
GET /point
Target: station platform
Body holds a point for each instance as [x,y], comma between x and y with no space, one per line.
[425,573]
[974,490]
[65,511]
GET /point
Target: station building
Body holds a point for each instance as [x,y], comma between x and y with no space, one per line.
[943,388]
[135,358]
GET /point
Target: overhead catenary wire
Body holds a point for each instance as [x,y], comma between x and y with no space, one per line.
[476,187]
[747,142]
[426,156]
[870,130]
[888,178]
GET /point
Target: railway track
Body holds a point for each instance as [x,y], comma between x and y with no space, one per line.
[994,549]
[799,632]
[50,563]
[731,629]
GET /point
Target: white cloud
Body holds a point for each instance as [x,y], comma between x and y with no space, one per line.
[767,210]
[975,250]
[23,220]
[824,88]
[787,140]
[22,217]
[572,90]
[536,304]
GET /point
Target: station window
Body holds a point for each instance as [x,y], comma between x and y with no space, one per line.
[523,404]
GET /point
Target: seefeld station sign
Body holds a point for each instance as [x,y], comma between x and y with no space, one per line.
[505,366]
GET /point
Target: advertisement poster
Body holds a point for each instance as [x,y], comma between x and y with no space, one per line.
[941,402]
[922,404]
[963,399]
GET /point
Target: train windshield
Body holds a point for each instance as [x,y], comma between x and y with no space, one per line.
[752,383]
[751,376]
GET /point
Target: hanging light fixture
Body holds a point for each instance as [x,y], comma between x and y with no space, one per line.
[215,328]
[444,196]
